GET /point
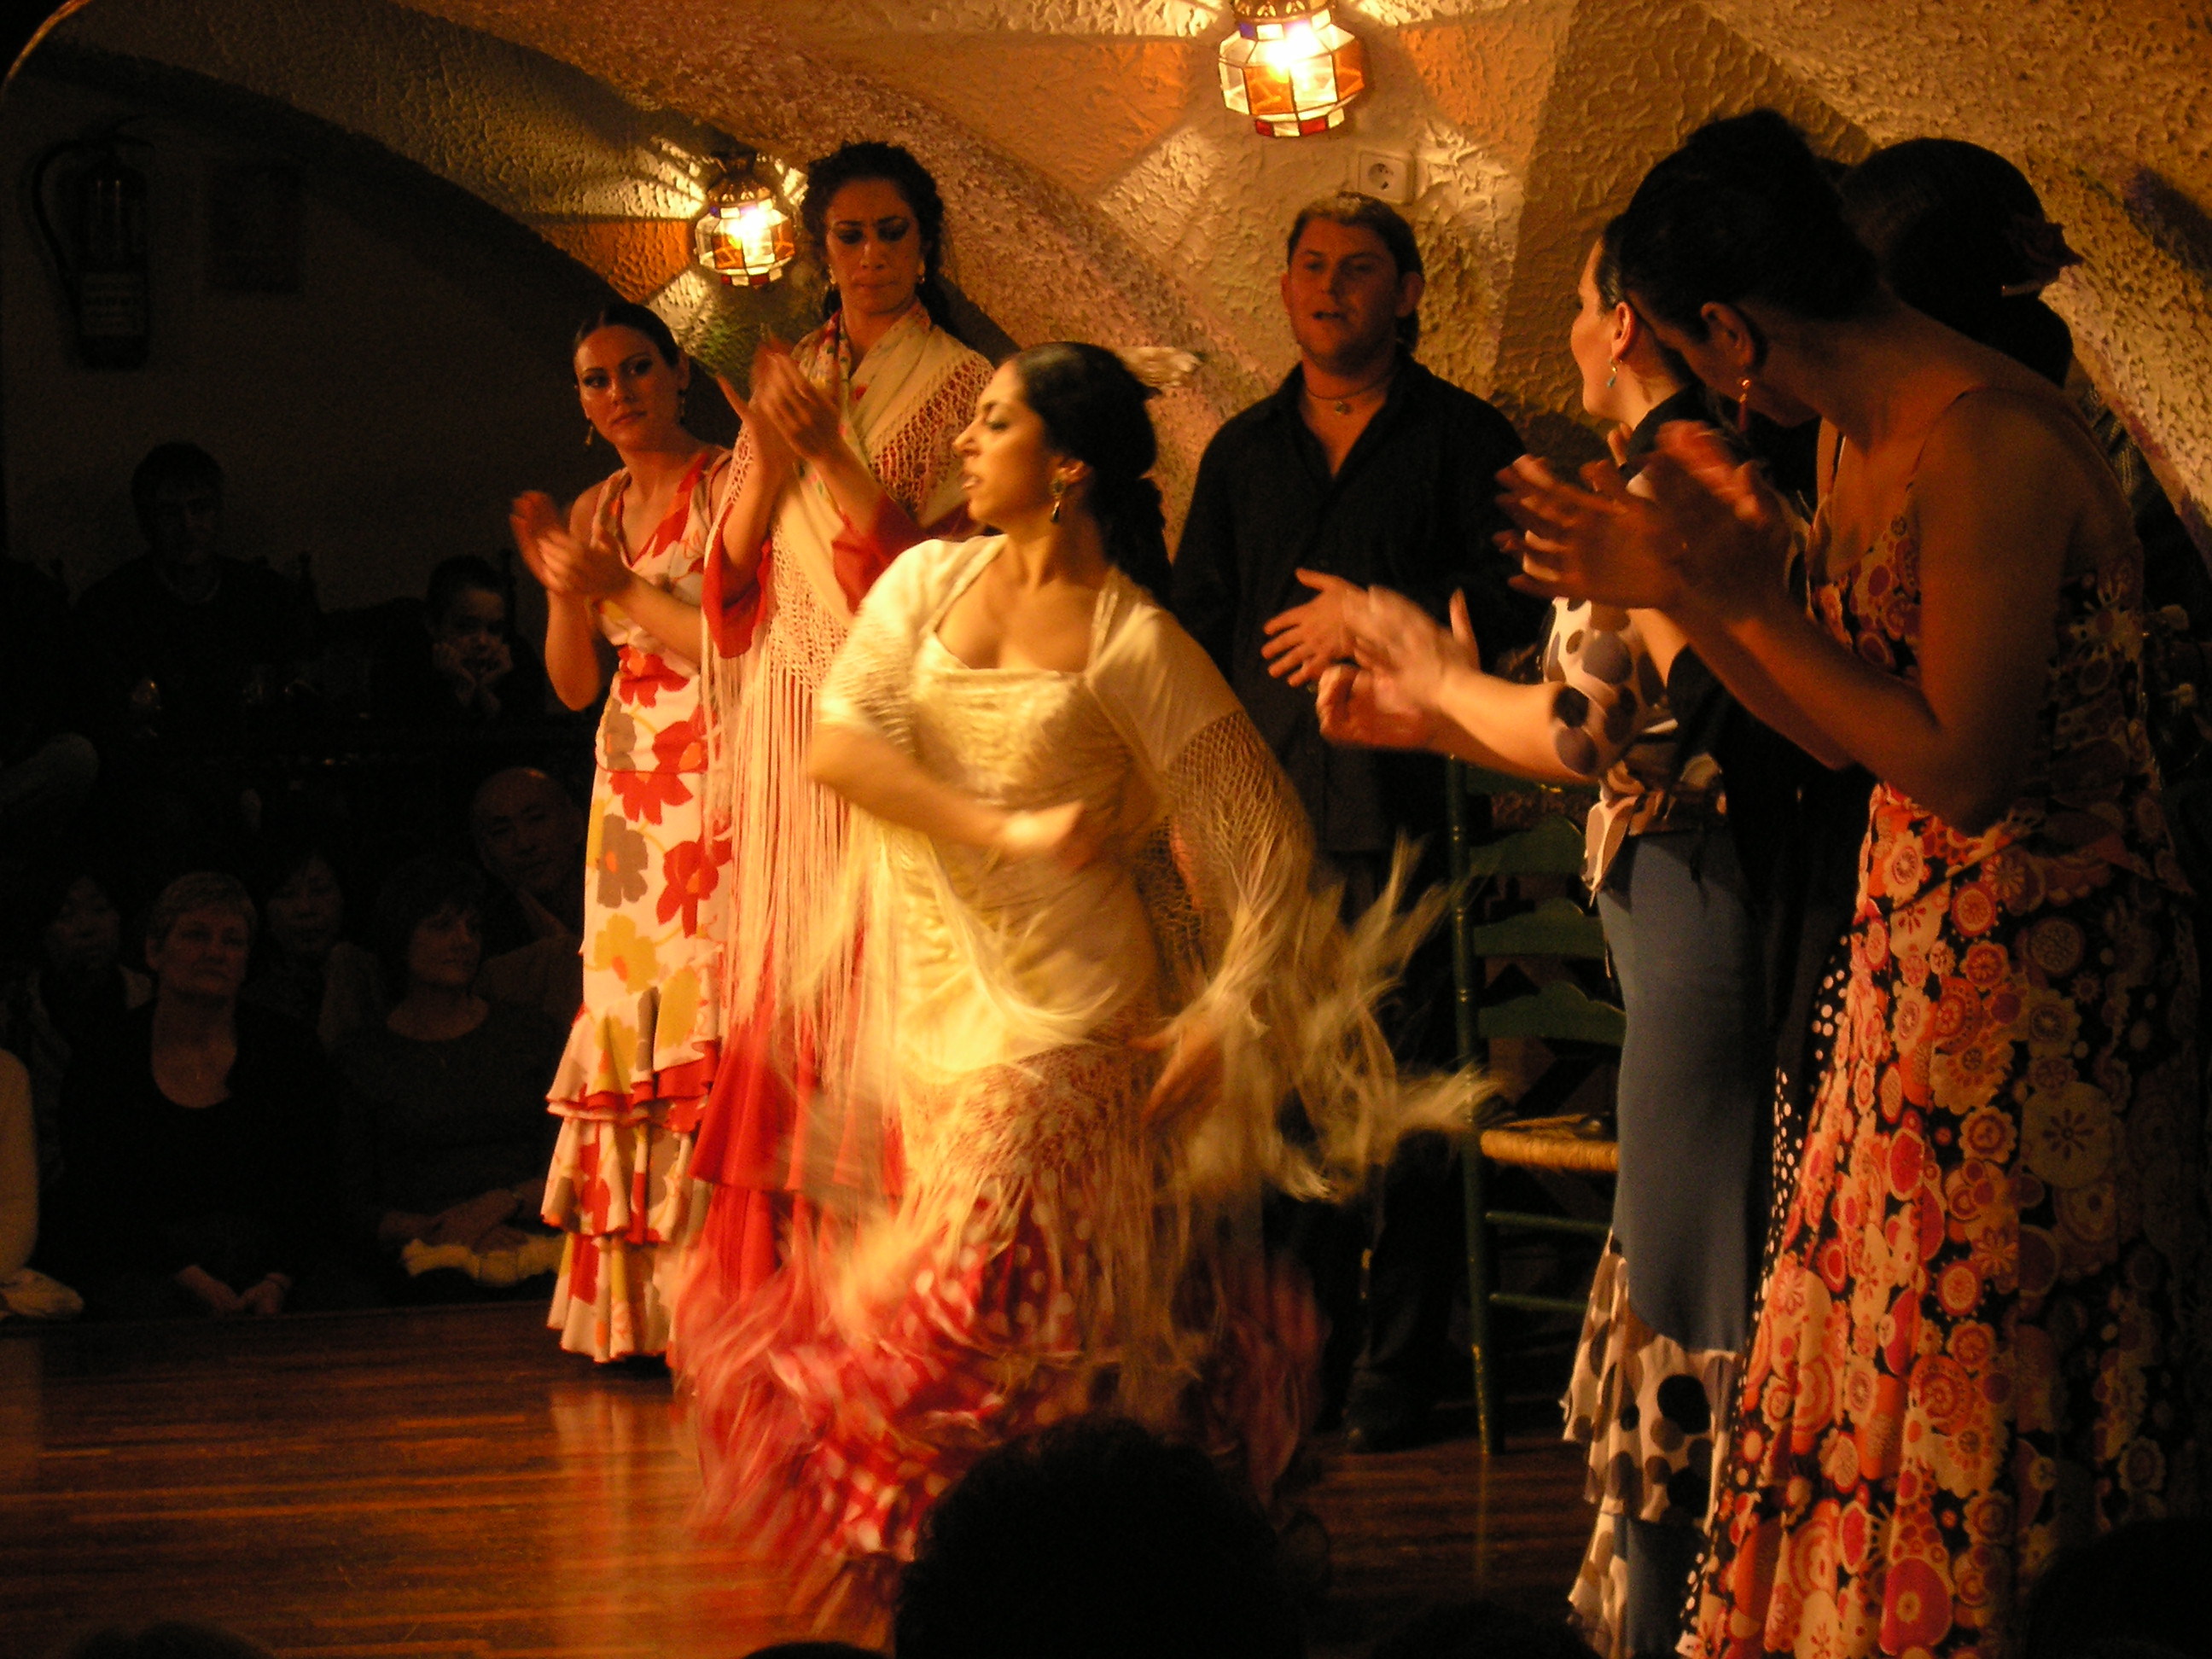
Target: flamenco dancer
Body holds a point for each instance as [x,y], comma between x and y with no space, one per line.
[1979,1338]
[1093,971]
[627,568]
[846,452]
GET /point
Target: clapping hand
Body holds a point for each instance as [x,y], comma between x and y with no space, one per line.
[770,448]
[561,563]
[1390,695]
[799,413]
[1600,542]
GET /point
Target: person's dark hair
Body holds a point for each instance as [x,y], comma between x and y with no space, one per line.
[1952,227]
[1742,211]
[1479,1630]
[170,1638]
[1093,410]
[1363,212]
[2124,1595]
[465,573]
[417,890]
[168,463]
[894,166]
[1612,291]
[622,313]
[1095,1539]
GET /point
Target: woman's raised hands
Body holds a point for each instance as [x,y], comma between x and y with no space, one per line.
[1700,527]
[561,562]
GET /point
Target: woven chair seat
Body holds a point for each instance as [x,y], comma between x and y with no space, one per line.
[1581,1145]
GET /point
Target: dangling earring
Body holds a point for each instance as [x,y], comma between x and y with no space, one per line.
[1743,405]
[590,435]
[680,403]
[1612,371]
[1058,493]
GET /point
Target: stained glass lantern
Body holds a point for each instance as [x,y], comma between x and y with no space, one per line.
[743,235]
[1291,68]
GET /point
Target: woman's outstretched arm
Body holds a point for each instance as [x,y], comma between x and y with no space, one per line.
[881,779]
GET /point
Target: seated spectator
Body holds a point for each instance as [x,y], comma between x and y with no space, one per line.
[529,836]
[47,764]
[1095,1539]
[78,989]
[453,1139]
[459,665]
[24,1291]
[198,1139]
[195,642]
[307,970]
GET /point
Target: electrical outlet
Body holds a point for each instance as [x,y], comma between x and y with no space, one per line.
[1380,173]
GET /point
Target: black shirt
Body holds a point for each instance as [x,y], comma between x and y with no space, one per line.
[211,660]
[1414,508]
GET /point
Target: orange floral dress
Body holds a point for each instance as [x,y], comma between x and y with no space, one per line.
[1975,1345]
[641,1055]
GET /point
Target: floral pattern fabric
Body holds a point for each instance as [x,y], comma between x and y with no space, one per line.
[1972,1347]
[641,1055]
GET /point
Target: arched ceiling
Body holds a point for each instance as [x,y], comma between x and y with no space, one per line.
[1100,191]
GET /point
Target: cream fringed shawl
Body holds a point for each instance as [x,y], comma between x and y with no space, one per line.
[898,409]
[1207,833]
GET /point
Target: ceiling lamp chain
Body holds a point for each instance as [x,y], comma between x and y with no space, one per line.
[1291,68]
[743,235]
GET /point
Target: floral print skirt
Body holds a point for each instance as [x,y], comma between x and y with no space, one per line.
[1973,1347]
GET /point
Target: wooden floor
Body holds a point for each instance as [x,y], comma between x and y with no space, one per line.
[448,1482]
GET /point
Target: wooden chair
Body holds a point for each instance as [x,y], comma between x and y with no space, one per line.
[1505,832]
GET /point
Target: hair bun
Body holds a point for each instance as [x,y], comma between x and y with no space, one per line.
[1159,369]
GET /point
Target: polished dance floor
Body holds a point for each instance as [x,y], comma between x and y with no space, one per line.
[448,1482]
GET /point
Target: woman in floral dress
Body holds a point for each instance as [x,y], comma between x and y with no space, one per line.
[626,570]
[1980,1329]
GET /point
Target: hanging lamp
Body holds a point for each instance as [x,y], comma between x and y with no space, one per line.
[743,235]
[1291,68]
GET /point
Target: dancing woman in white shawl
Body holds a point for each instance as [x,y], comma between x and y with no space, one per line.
[1094,971]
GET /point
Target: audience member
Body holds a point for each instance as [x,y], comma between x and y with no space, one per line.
[2132,1594]
[529,836]
[46,763]
[308,971]
[1362,468]
[78,989]
[461,666]
[24,1291]
[197,641]
[452,1137]
[199,1166]
[1481,1629]
[1095,1539]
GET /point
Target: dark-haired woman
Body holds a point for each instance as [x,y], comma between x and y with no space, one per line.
[626,570]
[1093,972]
[451,1142]
[1695,808]
[844,460]
[1975,1340]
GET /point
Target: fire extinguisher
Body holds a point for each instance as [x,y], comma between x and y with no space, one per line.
[108,277]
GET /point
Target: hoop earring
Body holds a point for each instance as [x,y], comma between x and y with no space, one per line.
[1743,405]
[1059,494]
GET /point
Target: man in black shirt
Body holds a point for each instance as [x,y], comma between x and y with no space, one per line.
[1361,469]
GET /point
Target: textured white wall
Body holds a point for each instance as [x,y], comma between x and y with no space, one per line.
[1099,189]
